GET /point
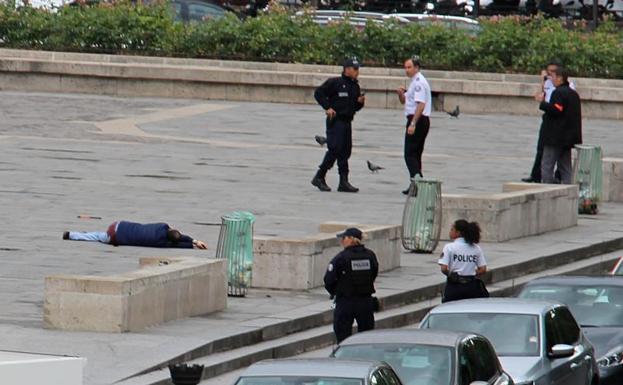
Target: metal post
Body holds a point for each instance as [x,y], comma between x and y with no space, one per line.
[595,13]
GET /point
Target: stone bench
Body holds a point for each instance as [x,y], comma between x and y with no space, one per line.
[520,210]
[300,263]
[163,289]
[612,179]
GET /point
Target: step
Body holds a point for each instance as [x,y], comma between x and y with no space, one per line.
[322,336]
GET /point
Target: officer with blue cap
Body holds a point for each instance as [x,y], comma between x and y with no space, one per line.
[350,280]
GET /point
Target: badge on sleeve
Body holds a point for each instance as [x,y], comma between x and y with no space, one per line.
[418,88]
[330,268]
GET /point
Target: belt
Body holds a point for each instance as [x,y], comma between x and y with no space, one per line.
[455,278]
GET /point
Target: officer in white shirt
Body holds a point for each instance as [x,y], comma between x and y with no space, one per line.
[417,100]
[547,88]
[462,261]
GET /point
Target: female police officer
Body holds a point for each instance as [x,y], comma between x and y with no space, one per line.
[462,261]
[350,280]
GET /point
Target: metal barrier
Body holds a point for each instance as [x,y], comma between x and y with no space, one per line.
[588,174]
[235,243]
[421,218]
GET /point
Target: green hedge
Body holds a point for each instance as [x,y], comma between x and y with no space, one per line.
[504,45]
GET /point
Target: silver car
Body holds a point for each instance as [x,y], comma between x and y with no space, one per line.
[429,357]
[538,342]
[318,371]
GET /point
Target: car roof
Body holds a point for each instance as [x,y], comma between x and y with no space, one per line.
[409,336]
[570,280]
[425,16]
[496,305]
[329,367]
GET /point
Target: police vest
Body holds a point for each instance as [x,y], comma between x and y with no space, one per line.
[357,274]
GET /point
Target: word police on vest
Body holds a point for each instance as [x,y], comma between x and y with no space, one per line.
[361,264]
[465,258]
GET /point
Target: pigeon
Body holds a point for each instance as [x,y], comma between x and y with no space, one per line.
[455,113]
[320,139]
[374,167]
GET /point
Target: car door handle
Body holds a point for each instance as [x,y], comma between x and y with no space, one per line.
[574,366]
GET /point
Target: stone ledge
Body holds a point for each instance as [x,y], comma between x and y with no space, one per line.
[306,258]
[279,82]
[521,210]
[163,289]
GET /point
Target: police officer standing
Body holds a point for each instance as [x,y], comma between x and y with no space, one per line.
[350,280]
[341,98]
[418,105]
[462,261]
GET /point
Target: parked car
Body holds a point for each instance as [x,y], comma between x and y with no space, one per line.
[597,304]
[428,357]
[537,342]
[318,371]
[357,19]
[472,26]
[199,10]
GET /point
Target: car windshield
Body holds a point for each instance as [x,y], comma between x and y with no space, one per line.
[594,305]
[414,364]
[297,380]
[510,334]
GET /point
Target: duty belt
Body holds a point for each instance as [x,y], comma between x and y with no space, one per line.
[455,278]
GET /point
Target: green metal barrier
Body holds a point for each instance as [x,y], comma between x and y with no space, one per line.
[421,218]
[235,243]
[588,174]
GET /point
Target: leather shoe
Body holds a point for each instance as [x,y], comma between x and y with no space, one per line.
[66,235]
[530,180]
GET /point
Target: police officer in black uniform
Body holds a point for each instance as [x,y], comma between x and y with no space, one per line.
[341,98]
[350,280]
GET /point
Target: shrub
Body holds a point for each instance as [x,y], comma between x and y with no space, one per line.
[509,44]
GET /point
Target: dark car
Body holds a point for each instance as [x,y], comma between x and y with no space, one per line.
[597,304]
[428,357]
[199,10]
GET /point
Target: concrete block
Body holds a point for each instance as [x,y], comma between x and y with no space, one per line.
[612,179]
[305,259]
[163,289]
[521,210]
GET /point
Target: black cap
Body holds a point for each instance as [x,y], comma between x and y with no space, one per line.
[350,232]
[351,62]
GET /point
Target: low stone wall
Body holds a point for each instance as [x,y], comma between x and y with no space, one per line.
[23,70]
[612,179]
[163,289]
[304,261]
[520,210]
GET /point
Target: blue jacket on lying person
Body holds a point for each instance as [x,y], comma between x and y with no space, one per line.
[125,233]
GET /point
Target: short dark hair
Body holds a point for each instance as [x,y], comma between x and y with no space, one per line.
[173,235]
[555,62]
[415,60]
[562,72]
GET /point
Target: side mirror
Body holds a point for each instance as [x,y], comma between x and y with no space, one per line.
[561,351]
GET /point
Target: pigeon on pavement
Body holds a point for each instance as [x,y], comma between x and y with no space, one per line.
[455,113]
[374,167]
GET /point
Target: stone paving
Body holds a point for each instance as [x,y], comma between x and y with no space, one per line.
[188,162]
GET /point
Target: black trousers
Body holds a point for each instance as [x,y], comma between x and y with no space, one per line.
[339,145]
[349,309]
[414,145]
[458,291]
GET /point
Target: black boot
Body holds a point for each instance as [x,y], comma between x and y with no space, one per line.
[345,186]
[319,181]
